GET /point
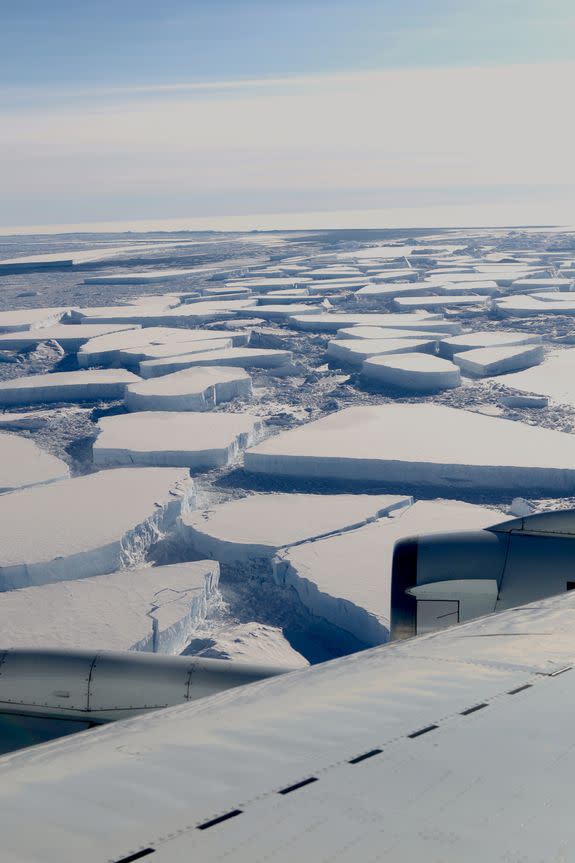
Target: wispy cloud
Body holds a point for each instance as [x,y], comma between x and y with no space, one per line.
[395,128]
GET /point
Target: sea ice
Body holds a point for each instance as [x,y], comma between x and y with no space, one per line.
[167,438]
[484,362]
[150,609]
[81,386]
[69,336]
[239,357]
[346,579]
[251,642]
[355,351]
[424,302]
[332,322]
[554,378]
[424,444]
[485,339]
[385,333]
[414,372]
[523,306]
[142,278]
[253,528]
[90,525]
[23,464]
[195,389]
[524,286]
[29,319]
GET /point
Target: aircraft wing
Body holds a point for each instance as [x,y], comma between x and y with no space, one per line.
[455,746]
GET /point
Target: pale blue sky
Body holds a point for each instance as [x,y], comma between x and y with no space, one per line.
[104,115]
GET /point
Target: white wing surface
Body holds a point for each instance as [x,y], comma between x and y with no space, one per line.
[456,746]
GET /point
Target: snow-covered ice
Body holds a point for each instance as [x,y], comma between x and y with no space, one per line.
[141,278]
[422,444]
[425,302]
[415,372]
[132,357]
[554,378]
[264,358]
[346,578]
[108,350]
[253,528]
[150,609]
[386,333]
[355,351]
[524,286]
[23,463]
[69,336]
[195,389]
[30,319]
[331,323]
[524,306]
[90,525]
[485,339]
[168,438]
[251,642]
[484,362]
[81,386]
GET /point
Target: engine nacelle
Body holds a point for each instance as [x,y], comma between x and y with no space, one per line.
[446,578]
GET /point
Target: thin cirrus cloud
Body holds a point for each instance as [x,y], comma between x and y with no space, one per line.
[440,127]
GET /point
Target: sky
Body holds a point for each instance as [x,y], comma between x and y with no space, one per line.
[129,111]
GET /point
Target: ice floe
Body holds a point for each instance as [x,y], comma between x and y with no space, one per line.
[331,323]
[425,302]
[69,336]
[29,319]
[421,444]
[81,386]
[554,378]
[485,339]
[484,362]
[415,372]
[355,351]
[346,579]
[194,389]
[23,463]
[245,358]
[523,306]
[167,438]
[252,529]
[150,609]
[90,525]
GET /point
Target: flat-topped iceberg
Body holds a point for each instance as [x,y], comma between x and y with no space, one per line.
[356,351]
[164,438]
[346,579]
[253,528]
[70,337]
[23,463]
[421,444]
[29,319]
[90,525]
[554,378]
[150,609]
[332,322]
[81,386]
[194,389]
[484,362]
[245,358]
[448,346]
[415,372]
